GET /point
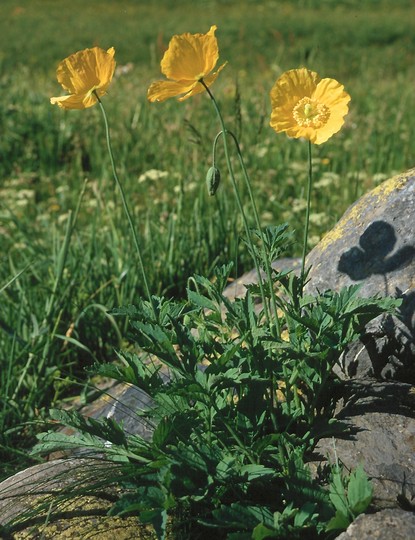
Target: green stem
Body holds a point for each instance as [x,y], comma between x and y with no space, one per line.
[125,206]
[243,447]
[307,217]
[265,254]
[238,200]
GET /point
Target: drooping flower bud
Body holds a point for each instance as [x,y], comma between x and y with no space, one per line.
[212,180]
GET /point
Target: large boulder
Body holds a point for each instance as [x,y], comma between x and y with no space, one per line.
[373,245]
[380,416]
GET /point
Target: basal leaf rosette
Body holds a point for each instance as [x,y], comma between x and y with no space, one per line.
[189,59]
[84,75]
[304,105]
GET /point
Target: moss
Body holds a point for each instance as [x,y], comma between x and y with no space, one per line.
[89,527]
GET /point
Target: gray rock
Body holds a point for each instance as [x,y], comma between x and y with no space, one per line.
[385,351]
[373,245]
[39,483]
[384,525]
[121,402]
[237,289]
[41,503]
[381,420]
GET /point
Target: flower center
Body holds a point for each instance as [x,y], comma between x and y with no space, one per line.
[310,113]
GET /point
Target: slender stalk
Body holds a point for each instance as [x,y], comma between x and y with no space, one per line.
[125,206]
[243,447]
[238,199]
[267,263]
[266,260]
[307,216]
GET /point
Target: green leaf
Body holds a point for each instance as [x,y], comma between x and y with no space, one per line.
[158,518]
[254,472]
[200,300]
[55,441]
[150,503]
[359,492]
[339,521]
[338,493]
[306,515]
[239,517]
[162,431]
[262,531]
[239,536]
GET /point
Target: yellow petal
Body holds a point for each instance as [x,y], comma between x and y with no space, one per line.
[74,101]
[332,94]
[282,117]
[105,63]
[293,85]
[333,125]
[190,56]
[162,90]
[198,87]
[298,132]
[297,84]
[87,69]
[287,91]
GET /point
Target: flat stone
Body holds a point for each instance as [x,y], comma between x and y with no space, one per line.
[385,525]
[92,527]
[380,416]
[33,505]
[19,492]
[121,402]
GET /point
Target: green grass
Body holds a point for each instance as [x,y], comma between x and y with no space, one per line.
[59,274]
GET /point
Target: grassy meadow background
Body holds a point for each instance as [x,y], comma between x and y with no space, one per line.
[66,251]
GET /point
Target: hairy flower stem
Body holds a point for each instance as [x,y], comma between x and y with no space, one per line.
[126,209]
[307,217]
[240,207]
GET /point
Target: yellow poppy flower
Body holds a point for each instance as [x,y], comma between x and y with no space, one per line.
[81,74]
[188,59]
[303,105]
